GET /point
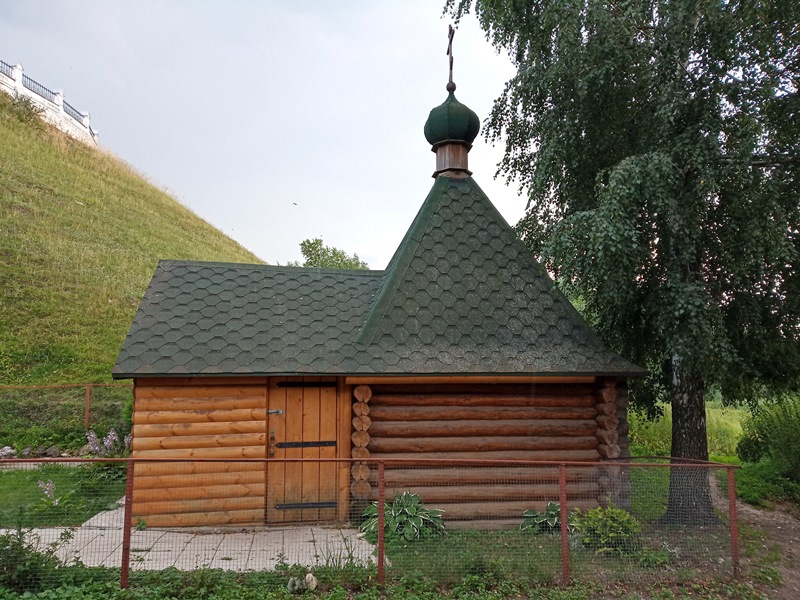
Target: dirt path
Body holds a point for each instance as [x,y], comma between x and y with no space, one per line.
[768,539]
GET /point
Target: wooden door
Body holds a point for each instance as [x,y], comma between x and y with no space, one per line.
[301,423]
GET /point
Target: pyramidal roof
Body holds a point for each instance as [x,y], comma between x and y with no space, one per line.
[462,295]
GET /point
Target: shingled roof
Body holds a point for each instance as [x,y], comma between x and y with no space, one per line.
[462,295]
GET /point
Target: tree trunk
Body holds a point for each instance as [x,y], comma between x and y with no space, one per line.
[689,490]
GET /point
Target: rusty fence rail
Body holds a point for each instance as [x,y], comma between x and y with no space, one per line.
[441,520]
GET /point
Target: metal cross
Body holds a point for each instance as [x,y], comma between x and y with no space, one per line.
[450,33]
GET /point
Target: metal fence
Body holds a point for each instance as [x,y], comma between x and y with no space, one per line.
[73,112]
[38,88]
[6,69]
[442,521]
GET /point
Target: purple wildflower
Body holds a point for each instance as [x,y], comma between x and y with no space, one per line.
[94,443]
[49,490]
[110,441]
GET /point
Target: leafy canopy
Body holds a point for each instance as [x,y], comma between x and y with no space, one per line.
[317,254]
[658,141]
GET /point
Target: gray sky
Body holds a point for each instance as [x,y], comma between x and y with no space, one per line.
[240,109]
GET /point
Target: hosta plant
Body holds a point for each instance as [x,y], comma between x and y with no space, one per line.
[548,521]
[405,518]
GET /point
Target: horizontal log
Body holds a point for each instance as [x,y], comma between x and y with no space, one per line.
[360,472]
[361,489]
[607,436]
[499,493]
[212,402]
[607,421]
[236,517]
[379,445]
[544,455]
[605,409]
[188,467]
[359,409]
[362,393]
[373,380]
[586,400]
[200,492]
[199,441]
[141,417]
[464,428]
[457,413]
[247,452]
[607,394]
[399,477]
[179,429]
[498,510]
[357,452]
[146,482]
[170,390]
[486,389]
[609,451]
[362,423]
[360,439]
[189,506]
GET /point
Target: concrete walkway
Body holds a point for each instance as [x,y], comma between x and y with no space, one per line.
[98,542]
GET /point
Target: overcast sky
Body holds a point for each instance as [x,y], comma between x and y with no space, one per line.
[275,121]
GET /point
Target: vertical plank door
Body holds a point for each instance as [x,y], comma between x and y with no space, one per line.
[307,429]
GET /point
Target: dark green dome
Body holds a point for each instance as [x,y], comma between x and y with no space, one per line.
[452,121]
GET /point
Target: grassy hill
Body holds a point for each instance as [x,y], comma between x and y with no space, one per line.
[80,235]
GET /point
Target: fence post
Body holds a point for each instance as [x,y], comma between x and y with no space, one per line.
[88,403]
[564,518]
[126,527]
[381,524]
[733,520]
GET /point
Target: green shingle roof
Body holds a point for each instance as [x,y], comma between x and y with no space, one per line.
[462,295]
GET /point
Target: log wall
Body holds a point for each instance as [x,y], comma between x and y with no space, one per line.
[552,422]
[193,419]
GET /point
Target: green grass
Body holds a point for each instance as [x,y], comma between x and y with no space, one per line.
[80,235]
[81,492]
[654,438]
[762,483]
[26,425]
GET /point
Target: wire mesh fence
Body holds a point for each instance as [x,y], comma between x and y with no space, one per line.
[442,521]
[71,410]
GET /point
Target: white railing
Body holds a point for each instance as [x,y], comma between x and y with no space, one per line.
[54,109]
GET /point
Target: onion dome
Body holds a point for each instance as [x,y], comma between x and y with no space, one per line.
[452,122]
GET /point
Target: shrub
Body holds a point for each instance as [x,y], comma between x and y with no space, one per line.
[548,521]
[608,530]
[26,110]
[774,432]
[405,519]
[26,568]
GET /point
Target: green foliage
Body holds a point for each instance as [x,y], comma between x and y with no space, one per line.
[76,494]
[81,236]
[774,431]
[26,110]
[548,521]
[405,519]
[318,255]
[653,436]
[761,483]
[658,144]
[25,424]
[24,566]
[609,530]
